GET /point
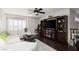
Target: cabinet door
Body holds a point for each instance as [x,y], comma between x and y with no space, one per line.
[62,29]
[61,37]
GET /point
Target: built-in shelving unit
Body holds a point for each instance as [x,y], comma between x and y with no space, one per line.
[54,29]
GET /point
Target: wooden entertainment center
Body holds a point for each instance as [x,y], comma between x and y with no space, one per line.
[54,29]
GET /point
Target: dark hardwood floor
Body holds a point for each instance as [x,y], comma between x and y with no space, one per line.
[57,45]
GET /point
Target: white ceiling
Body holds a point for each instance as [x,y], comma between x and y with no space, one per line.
[49,10]
[25,11]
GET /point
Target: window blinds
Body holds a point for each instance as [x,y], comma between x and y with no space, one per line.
[16,24]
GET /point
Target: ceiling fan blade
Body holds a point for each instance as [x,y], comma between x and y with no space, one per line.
[40,9]
[42,12]
[36,8]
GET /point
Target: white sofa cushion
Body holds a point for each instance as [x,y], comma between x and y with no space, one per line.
[13,39]
[2,44]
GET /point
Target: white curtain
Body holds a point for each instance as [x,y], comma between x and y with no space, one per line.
[16,24]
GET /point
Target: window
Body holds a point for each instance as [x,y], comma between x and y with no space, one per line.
[16,25]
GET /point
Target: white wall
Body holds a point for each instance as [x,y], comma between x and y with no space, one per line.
[73,23]
[31,24]
[2,21]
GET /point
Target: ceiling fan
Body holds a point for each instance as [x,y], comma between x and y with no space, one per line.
[38,10]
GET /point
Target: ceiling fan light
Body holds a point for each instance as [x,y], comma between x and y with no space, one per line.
[36,13]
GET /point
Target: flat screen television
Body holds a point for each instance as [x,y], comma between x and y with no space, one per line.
[51,24]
